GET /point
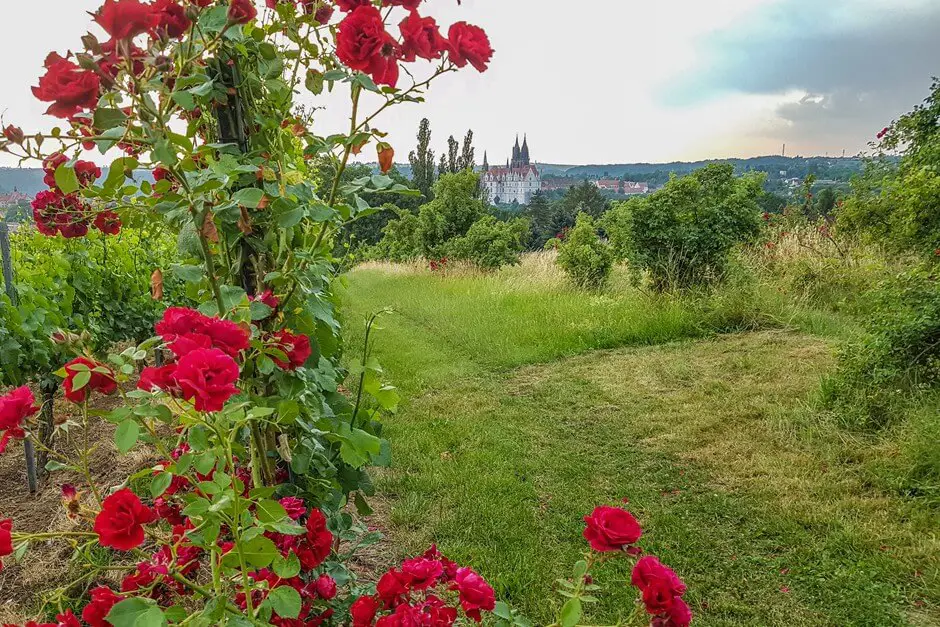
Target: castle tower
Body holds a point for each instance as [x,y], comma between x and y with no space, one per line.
[516,154]
[524,154]
[486,163]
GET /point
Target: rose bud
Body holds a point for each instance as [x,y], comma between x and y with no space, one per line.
[386,156]
[14,134]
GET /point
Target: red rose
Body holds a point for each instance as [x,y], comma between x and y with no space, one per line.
[475,593]
[611,528]
[153,378]
[6,538]
[363,44]
[323,12]
[317,543]
[125,19]
[101,379]
[469,44]
[171,18]
[421,38]
[422,572]
[120,522]
[86,172]
[68,87]
[67,619]
[392,588]
[659,585]
[49,165]
[15,408]
[325,587]
[102,600]
[241,11]
[207,377]
[296,347]
[363,611]
[185,330]
[411,5]
[294,506]
[108,222]
[349,5]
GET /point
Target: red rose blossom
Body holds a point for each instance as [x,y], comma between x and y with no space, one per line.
[15,408]
[294,506]
[101,379]
[421,38]
[316,544]
[475,593]
[120,523]
[392,588]
[108,222]
[469,44]
[102,600]
[125,19]
[69,88]
[411,5]
[171,18]
[185,330]
[325,587]
[421,572]
[67,619]
[660,588]
[363,44]
[349,5]
[611,528]
[6,539]
[241,11]
[363,611]
[14,134]
[207,377]
[295,347]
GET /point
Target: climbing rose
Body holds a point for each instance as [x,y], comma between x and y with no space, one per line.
[207,377]
[241,11]
[475,593]
[68,87]
[6,539]
[120,522]
[296,347]
[15,408]
[125,19]
[363,611]
[172,19]
[421,38]
[102,600]
[611,528]
[469,44]
[363,44]
[102,382]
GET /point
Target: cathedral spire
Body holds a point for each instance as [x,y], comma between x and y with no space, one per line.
[524,154]
[486,163]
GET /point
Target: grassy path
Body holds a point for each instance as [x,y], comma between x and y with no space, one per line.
[509,435]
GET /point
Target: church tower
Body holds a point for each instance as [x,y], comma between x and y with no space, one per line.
[486,163]
[516,155]
[524,154]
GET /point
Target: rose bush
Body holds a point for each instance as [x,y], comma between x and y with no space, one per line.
[246,519]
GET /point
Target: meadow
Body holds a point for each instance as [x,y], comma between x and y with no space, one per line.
[527,402]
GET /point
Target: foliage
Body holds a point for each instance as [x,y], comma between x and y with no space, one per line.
[898,357]
[896,204]
[490,243]
[400,240]
[682,234]
[456,206]
[584,257]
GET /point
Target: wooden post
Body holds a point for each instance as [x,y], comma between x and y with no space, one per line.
[11,293]
[48,387]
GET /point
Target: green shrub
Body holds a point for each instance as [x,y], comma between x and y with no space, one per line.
[682,234]
[898,357]
[456,206]
[491,243]
[586,259]
[401,241]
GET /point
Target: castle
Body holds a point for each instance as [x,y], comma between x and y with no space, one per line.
[517,182]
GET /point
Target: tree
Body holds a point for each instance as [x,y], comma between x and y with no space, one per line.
[586,198]
[825,202]
[422,160]
[467,161]
[456,206]
[540,213]
[584,257]
[490,243]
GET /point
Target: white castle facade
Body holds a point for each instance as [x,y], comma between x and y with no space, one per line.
[517,182]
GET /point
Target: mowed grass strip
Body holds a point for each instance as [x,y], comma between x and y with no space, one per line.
[740,483]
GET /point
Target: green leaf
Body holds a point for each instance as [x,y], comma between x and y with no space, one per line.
[269,510]
[66,179]
[160,483]
[184,99]
[136,612]
[249,197]
[125,437]
[81,379]
[258,552]
[286,567]
[285,601]
[502,610]
[190,274]
[570,613]
[107,118]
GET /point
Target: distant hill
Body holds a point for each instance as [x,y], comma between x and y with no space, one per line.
[29,180]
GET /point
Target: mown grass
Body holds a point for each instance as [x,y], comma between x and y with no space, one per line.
[513,428]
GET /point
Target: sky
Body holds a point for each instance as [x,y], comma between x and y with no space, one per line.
[617,81]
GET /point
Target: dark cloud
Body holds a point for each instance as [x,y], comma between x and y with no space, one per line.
[861,65]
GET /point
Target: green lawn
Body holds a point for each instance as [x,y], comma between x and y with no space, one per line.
[528,403]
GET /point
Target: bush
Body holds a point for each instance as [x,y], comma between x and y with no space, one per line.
[456,206]
[682,234]
[491,243]
[401,241]
[897,358]
[586,259]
